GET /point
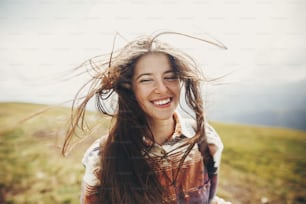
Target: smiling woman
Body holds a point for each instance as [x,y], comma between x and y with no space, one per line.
[157,90]
[151,154]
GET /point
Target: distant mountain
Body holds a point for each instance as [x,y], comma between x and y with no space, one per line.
[273,105]
[290,119]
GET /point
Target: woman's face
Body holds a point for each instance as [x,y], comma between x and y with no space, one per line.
[156,86]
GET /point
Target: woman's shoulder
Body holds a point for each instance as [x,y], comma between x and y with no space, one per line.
[92,155]
[92,162]
[189,126]
[212,137]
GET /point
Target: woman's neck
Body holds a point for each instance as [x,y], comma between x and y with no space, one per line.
[162,129]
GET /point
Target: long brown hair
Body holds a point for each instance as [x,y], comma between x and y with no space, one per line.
[125,174]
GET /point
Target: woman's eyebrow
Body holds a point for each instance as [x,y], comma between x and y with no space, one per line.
[150,74]
[169,71]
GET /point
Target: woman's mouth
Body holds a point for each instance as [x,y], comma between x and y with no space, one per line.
[162,102]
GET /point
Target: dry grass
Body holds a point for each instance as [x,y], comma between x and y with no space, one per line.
[258,163]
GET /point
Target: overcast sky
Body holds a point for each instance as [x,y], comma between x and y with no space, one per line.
[41,41]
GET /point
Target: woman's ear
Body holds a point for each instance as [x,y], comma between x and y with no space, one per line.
[126,85]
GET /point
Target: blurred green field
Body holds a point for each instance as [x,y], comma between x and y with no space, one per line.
[259,163]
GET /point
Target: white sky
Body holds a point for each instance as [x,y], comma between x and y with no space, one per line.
[41,41]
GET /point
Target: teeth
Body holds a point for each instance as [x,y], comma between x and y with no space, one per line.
[162,102]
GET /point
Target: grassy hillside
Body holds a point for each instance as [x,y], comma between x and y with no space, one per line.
[261,163]
[258,163]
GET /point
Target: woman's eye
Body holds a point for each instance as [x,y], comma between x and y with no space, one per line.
[171,78]
[145,80]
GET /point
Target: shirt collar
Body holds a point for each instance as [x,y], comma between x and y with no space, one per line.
[183,127]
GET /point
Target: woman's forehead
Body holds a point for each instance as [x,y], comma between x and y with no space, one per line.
[153,62]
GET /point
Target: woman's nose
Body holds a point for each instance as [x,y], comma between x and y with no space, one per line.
[160,87]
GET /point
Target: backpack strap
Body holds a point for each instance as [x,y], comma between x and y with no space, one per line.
[214,144]
[214,139]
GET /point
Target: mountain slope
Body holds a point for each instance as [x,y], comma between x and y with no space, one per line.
[258,163]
